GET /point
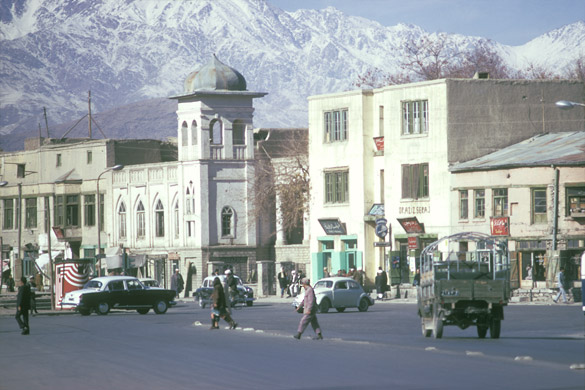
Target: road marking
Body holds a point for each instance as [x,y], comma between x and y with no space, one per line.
[473,353]
[577,367]
[430,348]
[523,358]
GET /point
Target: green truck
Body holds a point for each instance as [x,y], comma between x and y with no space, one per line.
[464,281]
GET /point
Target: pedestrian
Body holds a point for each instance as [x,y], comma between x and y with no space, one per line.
[381,282]
[416,279]
[23,306]
[294,284]
[309,308]
[39,281]
[232,284]
[218,306]
[561,285]
[358,276]
[33,297]
[283,282]
[177,282]
[529,273]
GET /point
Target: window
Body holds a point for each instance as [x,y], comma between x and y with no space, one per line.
[59,162]
[239,133]
[30,221]
[59,207]
[500,202]
[122,220]
[227,215]
[215,133]
[415,118]
[20,170]
[415,181]
[89,210]
[479,202]
[575,201]
[140,222]
[8,220]
[177,220]
[539,205]
[194,133]
[381,121]
[184,134]
[335,125]
[337,187]
[159,215]
[72,210]
[463,204]
[89,157]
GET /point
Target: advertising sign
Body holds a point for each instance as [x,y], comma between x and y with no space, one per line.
[411,225]
[412,242]
[500,226]
[72,275]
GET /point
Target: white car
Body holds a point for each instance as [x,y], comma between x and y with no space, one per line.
[339,293]
[150,283]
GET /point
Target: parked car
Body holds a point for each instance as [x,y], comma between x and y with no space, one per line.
[203,294]
[150,283]
[118,292]
[339,293]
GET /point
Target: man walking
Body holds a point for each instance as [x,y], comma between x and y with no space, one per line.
[23,305]
[177,282]
[561,286]
[309,307]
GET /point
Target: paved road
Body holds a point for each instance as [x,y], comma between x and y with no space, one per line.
[380,349]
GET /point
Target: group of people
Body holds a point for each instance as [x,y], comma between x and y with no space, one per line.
[292,284]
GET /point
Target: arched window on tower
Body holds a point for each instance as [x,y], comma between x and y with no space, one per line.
[227,222]
[176,218]
[215,131]
[140,222]
[239,133]
[184,134]
[122,220]
[194,133]
[159,216]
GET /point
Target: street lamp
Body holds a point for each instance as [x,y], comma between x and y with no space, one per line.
[99,219]
[566,104]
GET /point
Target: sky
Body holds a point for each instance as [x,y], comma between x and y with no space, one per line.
[510,22]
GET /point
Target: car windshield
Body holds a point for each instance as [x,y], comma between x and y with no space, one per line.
[324,284]
[93,284]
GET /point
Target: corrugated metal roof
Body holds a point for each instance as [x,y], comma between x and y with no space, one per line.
[566,149]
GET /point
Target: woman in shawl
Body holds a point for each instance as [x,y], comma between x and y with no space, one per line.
[218,308]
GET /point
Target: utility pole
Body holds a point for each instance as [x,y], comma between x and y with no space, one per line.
[89,111]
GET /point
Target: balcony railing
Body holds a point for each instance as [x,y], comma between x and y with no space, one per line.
[216,152]
[240,152]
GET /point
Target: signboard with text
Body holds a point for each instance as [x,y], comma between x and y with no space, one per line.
[500,226]
[412,242]
[332,226]
[411,225]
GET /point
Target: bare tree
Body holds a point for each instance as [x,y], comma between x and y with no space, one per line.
[482,58]
[376,78]
[282,172]
[577,70]
[427,58]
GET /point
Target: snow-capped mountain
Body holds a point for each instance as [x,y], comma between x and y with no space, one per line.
[52,52]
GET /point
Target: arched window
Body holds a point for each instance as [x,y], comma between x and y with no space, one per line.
[184,134]
[215,132]
[176,216]
[194,133]
[140,221]
[227,222]
[159,215]
[239,133]
[122,220]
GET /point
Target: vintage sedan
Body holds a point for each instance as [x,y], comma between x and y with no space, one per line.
[203,294]
[118,292]
[339,293]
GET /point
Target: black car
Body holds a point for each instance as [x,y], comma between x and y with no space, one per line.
[118,292]
[203,294]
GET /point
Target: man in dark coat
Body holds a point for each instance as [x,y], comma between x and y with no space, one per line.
[23,305]
[309,307]
[177,282]
[218,306]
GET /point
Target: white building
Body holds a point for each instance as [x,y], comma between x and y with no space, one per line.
[426,127]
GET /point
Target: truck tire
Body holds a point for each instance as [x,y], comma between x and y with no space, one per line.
[438,326]
[495,328]
[482,330]
[426,332]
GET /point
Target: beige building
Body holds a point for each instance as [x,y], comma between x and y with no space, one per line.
[426,127]
[533,193]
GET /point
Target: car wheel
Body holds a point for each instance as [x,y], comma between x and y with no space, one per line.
[340,309]
[103,308]
[426,332]
[143,310]
[84,312]
[363,305]
[324,306]
[249,303]
[201,303]
[495,327]
[161,307]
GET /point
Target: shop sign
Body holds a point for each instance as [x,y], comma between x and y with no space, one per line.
[500,226]
[412,242]
[332,226]
[411,225]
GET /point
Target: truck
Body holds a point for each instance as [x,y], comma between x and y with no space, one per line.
[464,281]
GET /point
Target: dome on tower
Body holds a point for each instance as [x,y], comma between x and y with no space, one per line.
[215,76]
